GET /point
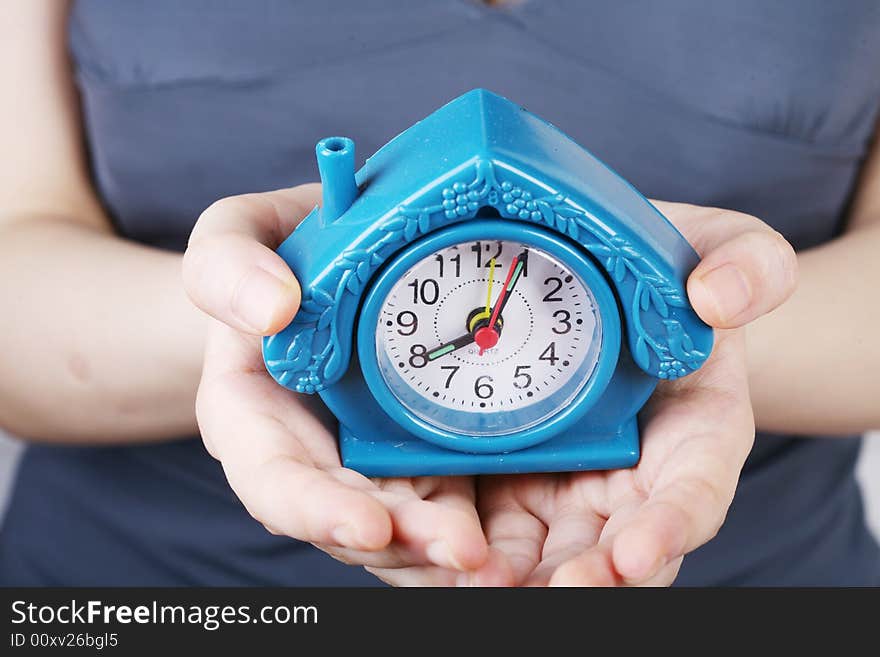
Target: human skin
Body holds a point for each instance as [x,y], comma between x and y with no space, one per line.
[100,343]
[127,366]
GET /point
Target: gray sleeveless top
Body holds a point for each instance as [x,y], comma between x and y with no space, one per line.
[762,107]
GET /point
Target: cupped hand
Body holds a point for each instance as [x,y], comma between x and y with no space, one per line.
[634,526]
[277,448]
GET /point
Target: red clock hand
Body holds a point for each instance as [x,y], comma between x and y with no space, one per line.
[487,337]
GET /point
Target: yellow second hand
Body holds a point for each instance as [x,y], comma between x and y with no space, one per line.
[491,281]
[486,313]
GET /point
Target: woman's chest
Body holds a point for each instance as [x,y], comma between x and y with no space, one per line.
[767,109]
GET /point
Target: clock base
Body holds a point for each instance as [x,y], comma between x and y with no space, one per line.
[580,448]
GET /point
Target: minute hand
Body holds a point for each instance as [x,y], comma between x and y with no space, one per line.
[513,276]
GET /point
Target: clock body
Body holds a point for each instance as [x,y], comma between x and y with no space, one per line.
[410,404]
[484,296]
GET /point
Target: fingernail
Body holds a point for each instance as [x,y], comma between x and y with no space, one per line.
[729,290]
[257,298]
[345,535]
[439,553]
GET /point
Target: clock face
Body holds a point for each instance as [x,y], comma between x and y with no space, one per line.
[488,337]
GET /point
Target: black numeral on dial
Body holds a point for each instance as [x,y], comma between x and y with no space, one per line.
[549,354]
[456,260]
[482,389]
[478,249]
[555,285]
[452,371]
[428,292]
[564,319]
[521,378]
[418,356]
[407,320]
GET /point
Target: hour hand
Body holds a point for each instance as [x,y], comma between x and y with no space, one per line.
[452,345]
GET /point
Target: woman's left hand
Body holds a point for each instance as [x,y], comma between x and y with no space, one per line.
[278,449]
[634,526]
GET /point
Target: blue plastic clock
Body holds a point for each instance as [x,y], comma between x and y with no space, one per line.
[484,296]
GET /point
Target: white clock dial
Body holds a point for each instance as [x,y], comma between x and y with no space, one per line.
[488,337]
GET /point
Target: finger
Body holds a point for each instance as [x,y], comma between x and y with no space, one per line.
[743,279]
[425,533]
[695,441]
[299,500]
[291,489]
[579,533]
[572,531]
[453,492]
[459,494]
[415,576]
[674,521]
[442,533]
[266,217]
[593,567]
[290,496]
[747,268]
[434,523]
[443,529]
[690,485]
[230,269]
[494,573]
[665,576]
[234,379]
[592,564]
[511,528]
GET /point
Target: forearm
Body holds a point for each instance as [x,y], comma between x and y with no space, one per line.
[815,362]
[100,343]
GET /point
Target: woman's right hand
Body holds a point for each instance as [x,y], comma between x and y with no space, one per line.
[278,449]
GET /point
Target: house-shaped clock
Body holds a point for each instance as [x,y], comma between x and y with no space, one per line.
[484,296]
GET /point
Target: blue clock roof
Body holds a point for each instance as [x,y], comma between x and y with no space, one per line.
[480,150]
[483,125]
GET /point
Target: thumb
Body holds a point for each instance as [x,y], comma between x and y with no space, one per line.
[230,270]
[747,268]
